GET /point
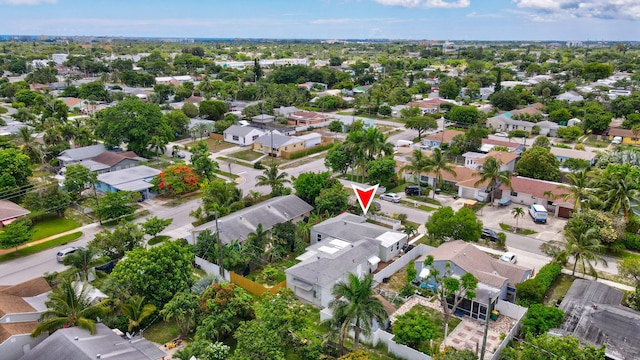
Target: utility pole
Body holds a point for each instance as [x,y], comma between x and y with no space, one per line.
[486,328]
[219,241]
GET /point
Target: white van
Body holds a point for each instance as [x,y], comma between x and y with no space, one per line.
[538,213]
[616,140]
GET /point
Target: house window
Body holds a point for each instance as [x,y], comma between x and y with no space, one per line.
[319,237]
[398,246]
[255,137]
[549,202]
[286,148]
[235,138]
[513,193]
[391,249]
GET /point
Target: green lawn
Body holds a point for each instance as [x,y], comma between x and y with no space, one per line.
[39,247]
[509,228]
[558,289]
[52,225]
[246,155]
[162,332]
[214,145]
[158,239]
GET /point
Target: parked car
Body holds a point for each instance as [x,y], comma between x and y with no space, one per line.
[65,252]
[502,134]
[489,234]
[415,190]
[394,198]
[509,257]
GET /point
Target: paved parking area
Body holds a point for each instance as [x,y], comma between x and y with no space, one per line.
[493,216]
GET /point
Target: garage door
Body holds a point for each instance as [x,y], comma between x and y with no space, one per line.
[564,212]
[467,193]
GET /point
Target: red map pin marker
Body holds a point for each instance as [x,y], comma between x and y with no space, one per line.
[364,196]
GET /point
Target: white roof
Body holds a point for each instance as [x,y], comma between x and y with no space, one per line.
[328,250]
[390,238]
[374,260]
[424,273]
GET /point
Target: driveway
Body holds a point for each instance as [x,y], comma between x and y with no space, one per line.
[493,216]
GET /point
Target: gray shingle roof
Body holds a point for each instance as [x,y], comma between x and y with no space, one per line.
[509,121]
[236,130]
[128,175]
[82,153]
[593,313]
[278,140]
[62,345]
[349,228]
[237,225]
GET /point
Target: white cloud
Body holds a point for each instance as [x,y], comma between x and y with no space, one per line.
[357,20]
[602,9]
[27,2]
[426,3]
[476,15]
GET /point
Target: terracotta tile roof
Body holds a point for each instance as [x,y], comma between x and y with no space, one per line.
[527,110]
[9,329]
[536,188]
[502,156]
[71,102]
[507,144]
[448,135]
[614,131]
[111,158]
[11,210]
[11,304]
[33,287]
[488,270]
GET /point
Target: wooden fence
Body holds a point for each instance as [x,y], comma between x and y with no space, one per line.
[254,287]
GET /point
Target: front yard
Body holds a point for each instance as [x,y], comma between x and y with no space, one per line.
[51,225]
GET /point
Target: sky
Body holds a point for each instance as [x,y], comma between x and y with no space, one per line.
[581,20]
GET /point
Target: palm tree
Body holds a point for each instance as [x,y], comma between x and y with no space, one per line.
[29,146]
[157,145]
[437,163]
[69,305]
[201,128]
[517,213]
[256,242]
[618,192]
[579,189]
[636,131]
[584,247]
[357,305]
[491,172]
[83,260]
[135,310]
[416,165]
[274,179]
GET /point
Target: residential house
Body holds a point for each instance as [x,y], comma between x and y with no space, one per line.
[109,161]
[396,111]
[73,103]
[11,127]
[628,137]
[263,119]
[502,123]
[565,154]
[242,135]
[435,140]
[512,146]
[136,178]
[352,228]
[238,225]
[195,126]
[285,111]
[306,118]
[527,191]
[20,308]
[311,139]
[10,211]
[327,263]
[428,106]
[593,314]
[347,121]
[529,110]
[73,156]
[548,128]
[570,96]
[274,144]
[78,344]
[497,279]
[474,160]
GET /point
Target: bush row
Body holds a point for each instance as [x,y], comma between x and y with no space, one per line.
[533,290]
[310,151]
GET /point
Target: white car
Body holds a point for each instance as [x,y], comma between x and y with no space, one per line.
[509,257]
[394,198]
[502,134]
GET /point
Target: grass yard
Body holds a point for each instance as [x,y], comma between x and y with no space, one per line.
[236,162]
[558,289]
[158,239]
[52,225]
[214,145]
[420,206]
[39,247]
[162,332]
[509,228]
[183,199]
[246,155]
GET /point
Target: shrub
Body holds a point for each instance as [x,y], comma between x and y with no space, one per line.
[540,319]
[258,165]
[548,274]
[631,242]
[579,147]
[502,239]
[519,133]
[310,151]
[532,291]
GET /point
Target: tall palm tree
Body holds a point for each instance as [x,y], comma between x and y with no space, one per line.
[136,311]
[517,213]
[578,189]
[29,145]
[256,242]
[584,247]
[354,146]
[356,303]
[636,131]
[69,305]
[417,164]
[491,172]
[157,145]
[618,192]
[437,163]
[375,143]
[83,260]
[274,179]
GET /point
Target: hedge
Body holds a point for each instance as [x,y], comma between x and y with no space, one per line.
[533,290]
[310,151]
[548,274]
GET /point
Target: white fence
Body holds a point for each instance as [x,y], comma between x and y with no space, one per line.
[211,268]
[513,311]
[395,224]
[402,262]
[399,350]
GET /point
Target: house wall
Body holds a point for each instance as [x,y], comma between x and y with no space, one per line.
[124,164]
[18,345]
[401,263]
[388,253]
[625,139]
